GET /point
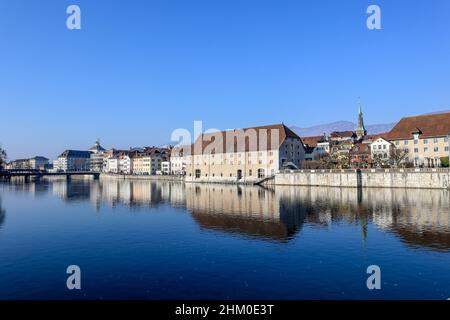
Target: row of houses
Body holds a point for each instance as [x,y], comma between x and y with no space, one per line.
[139,161]
[417,141]
[255,153]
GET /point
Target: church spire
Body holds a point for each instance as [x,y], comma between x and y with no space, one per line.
[360,130]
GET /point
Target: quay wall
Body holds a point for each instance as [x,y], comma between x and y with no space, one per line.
[140,177]
[429,178]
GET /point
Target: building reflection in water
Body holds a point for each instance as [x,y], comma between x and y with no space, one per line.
[2,214]
[419,218]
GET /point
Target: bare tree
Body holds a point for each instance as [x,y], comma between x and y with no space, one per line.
[379,162]
[342,160]
[397,157]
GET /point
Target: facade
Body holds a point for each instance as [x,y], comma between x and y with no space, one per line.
[360,156]
[381,149]
[425,138]
[96,159]
[125,163]
[39,163]
[243,155]
[18,164]
[36,163]
[149,162]
[165,167]
[177,161]
[73,160]
[112,164]
[316,146]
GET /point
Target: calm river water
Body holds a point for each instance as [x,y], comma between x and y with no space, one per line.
[162,240]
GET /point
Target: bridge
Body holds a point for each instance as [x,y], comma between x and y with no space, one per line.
[38,174]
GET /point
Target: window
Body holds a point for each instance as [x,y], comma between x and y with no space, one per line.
[384,146]
[425,149]
[416,150]
[416,141]
[250,172]
[425,141]
[436,149]
[397,143]
[446,149]
[406,142]
[446,139]
[435,140]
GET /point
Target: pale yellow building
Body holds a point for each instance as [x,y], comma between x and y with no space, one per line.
[424,137]
[243,155]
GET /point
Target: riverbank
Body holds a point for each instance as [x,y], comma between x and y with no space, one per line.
[416,178]
[141,177]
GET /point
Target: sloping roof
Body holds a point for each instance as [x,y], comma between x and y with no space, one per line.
[312,141]
[208,142]
[342,134]
[75,154]
[96,147]
[433,125]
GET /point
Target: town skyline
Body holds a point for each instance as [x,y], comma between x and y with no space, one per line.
[345,127]
[133,73]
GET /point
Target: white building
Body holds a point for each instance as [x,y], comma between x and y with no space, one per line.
[112,164]
[165,167]
[125,164]
[73,160]
[381,149]
[177,162]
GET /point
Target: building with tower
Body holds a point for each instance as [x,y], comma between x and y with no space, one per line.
[360,131]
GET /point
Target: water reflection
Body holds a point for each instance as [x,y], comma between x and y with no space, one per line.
[419,218]
[2,214]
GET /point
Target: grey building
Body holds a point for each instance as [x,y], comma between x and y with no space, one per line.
[73,160]
[97,153]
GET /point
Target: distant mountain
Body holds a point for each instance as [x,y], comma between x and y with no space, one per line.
[340,126]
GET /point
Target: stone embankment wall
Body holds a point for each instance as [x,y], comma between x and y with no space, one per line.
[141,177]
[427,178]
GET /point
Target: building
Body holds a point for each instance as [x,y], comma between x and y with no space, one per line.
[36,163]
[39,163]
[340,136]
[360,155]
[111,164]
[165,167]
[360,131]
[316,146]
[149,162]
[425,138]
[97,156]
[381,149]
[19,164]
[125,163]
[243,155]
[177,161]
[73,160]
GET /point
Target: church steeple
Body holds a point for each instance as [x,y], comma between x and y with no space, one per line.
[360,130]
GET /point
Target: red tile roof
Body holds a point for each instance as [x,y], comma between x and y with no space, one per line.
[433,125]
[205,141]
[312,141]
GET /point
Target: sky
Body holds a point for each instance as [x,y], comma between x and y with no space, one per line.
[137,70]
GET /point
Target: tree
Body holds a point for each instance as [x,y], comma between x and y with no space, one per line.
[341,160]
[379,162]
[3,157]
[445,162]
[397,157]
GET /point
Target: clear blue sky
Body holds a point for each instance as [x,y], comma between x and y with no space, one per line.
[139,69]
